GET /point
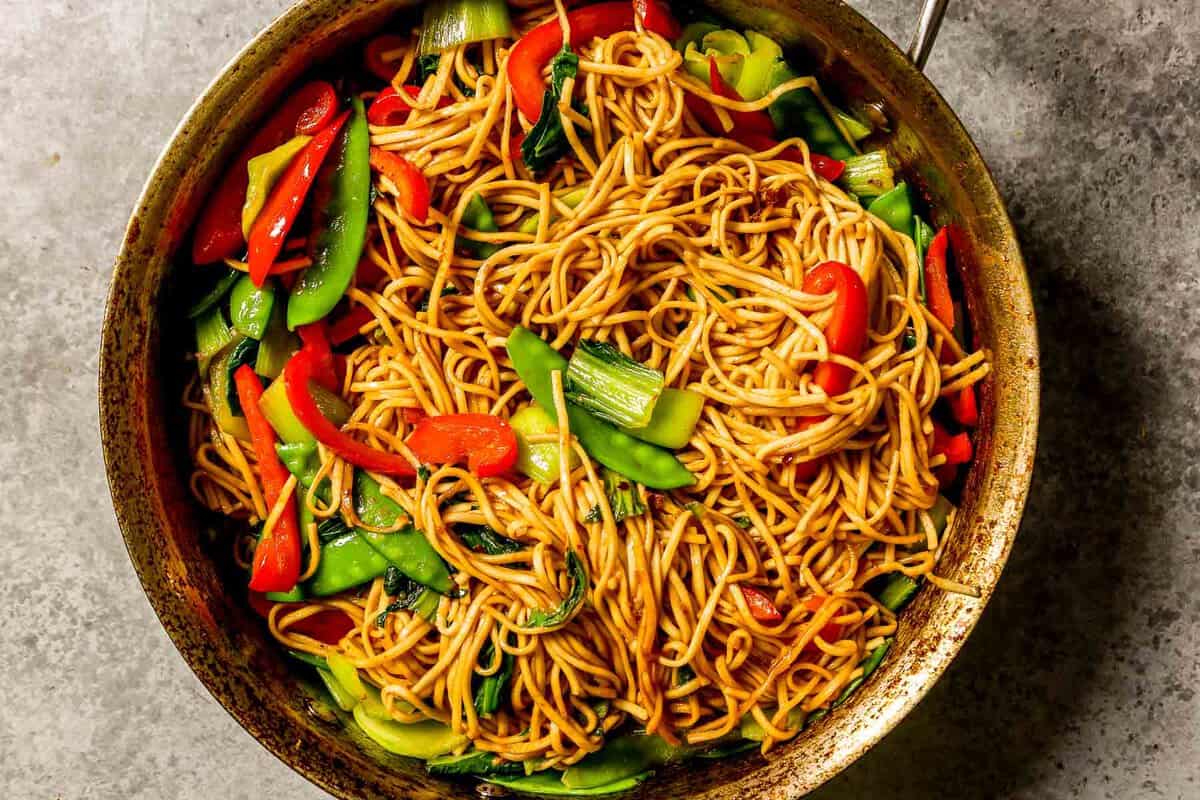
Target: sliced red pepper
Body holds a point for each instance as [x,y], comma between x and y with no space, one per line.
[488,444]
[392,108]
[656,18]
[761,607]
[384,70]
[327,626]
[316,341]
[514,146]
[412,415]
[965,407]
[301,369]
[828,168]
[846,333]
[348,325]
[319,110]
[753,122]
[957,448]
[533,51]
[271,228]
[937,280]
[219,229]
[276,566]
[410,183]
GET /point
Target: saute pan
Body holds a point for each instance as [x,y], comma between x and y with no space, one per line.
[230,649]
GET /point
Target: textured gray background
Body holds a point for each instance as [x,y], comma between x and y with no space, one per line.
[1080,681]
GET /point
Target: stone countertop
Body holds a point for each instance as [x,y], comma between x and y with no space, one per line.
[1080,681]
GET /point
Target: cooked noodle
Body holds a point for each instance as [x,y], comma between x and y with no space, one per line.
[673,222]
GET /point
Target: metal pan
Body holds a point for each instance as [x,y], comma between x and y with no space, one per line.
[230,650]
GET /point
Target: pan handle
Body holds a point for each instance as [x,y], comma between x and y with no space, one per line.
[932,12]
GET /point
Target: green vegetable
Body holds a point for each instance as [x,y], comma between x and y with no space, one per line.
[308,658]
[263,172]
[347,560]
[751,730]
[220,284]
[278,411]
[622,758]
[250,307]
[898,591]
[240,352]
[297,457]
[346,675]
[550,783]
[869,665]
[478,217]
[895,208]
[427,65]
[857,129]
[539,461]
[219,390]
[345,701]
[726,750]
[693,34]
[611,385]
[868,175]
[473,762]
[675,417]
[449,23]
[425,739]
[552,618]
[546,141]
[623,496]
[940,512]
[488,693]
[407,548]
[408,595]
[277,344]
[534,361]
[727,47]
[922,236]
[293,595]
[482,538]
[213,334]
[571,199]
[800,113]
[340,206]
[758,67]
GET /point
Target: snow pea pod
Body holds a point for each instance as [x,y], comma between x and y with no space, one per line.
[895,208]
[651,466]
[340,209]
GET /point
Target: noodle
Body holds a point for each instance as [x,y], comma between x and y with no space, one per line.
[687,253]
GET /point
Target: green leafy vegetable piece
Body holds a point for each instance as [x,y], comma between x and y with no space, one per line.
[482,538]
[546,142]
[611,385]
[623,496]
[552,618]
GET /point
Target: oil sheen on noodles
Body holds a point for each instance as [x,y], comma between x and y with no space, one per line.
[665,206]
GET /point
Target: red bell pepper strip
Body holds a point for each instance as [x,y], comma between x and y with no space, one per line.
[301,369]
[316,341]
[937,281]
[318,112]
[758,122]
[392,108]
[412,415]
[327,626]
[761,607]
[271,228]
[348,325]
[828,168]
[846,333]
[277,557]
[410,183]
[957,448]
[219,230]
[488,444]
[533,51]
[384,70]
[965,407]
[656,18]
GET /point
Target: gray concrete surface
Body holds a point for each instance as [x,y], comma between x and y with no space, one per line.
[1080,682]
